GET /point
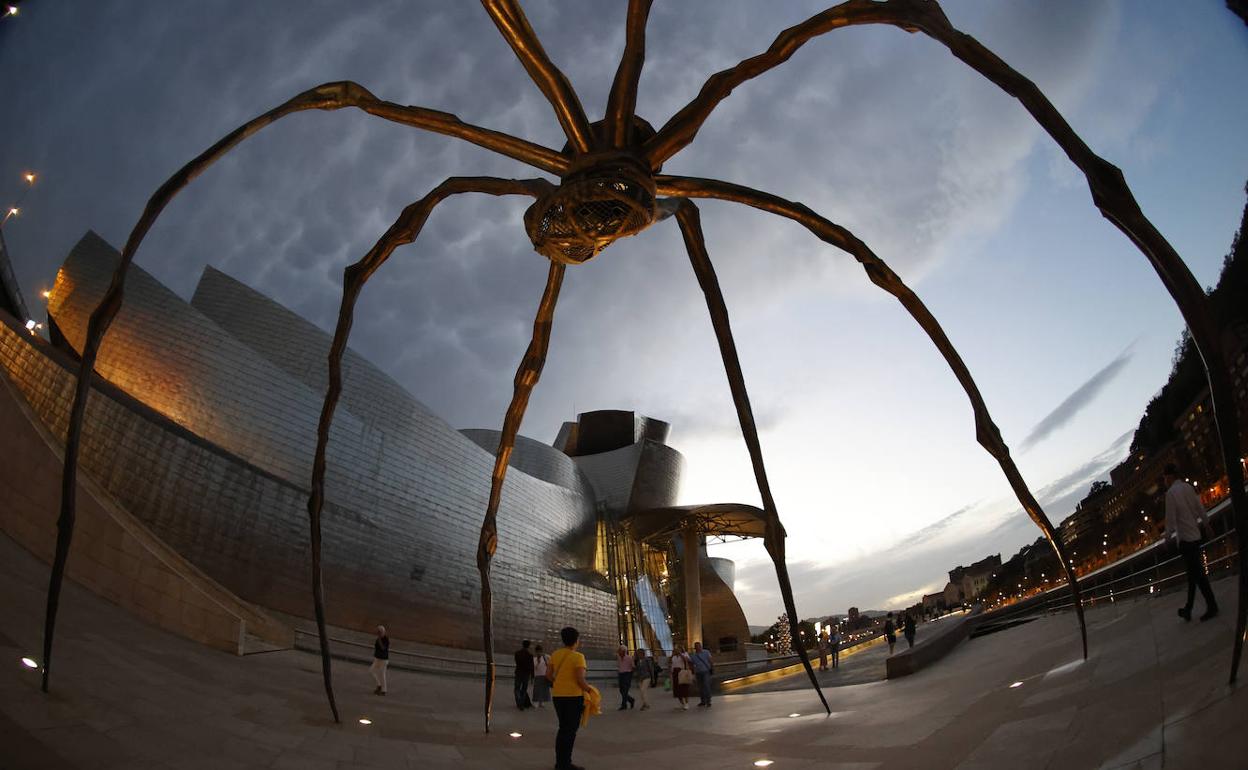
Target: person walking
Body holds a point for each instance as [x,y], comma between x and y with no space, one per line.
[834,646]
[682,677]
[566,674]
[381,660]
[823,649]
[624,676]
[646,671]
[1186,522]
[702,669]
[541,687]
[890,633]
[524,674]
[907,628]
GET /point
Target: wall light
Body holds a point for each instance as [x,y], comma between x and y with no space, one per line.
[1016,684]
[29,663]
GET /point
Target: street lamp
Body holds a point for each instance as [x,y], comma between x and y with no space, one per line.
[28,176]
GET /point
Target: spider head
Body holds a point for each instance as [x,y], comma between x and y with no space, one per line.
[604,198]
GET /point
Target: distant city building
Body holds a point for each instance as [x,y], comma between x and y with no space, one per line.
[934,604]
[967,583]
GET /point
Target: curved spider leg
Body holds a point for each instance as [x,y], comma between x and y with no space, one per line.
[511,22]
[691,230]
[1109,189]
[404,230]
[622,103]
[527,374]
[330,96]
[1113,197]
[986,431]
[682,127]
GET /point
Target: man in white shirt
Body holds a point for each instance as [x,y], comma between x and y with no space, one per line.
[1185,521]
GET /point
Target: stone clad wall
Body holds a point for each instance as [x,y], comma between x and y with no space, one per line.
[404,505]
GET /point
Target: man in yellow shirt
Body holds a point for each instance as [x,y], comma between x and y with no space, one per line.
[566,673]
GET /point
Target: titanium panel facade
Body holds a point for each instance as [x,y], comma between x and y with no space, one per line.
[405,491]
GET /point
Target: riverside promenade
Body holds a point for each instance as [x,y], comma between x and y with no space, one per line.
[127,695]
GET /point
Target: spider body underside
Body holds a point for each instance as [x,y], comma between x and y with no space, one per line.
[610,187]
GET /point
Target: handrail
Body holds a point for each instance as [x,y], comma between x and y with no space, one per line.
[1095,590]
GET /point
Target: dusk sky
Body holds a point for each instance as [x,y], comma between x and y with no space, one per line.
[868,438]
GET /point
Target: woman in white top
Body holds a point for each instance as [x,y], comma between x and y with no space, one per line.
[680,662]
[541,687]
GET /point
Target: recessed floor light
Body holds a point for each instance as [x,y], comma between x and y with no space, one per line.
[515,735]
[29,663]
[366,721]
[794,714]
[763,763]
[1016,684]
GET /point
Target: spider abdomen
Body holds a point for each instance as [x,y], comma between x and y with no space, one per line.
[591,209]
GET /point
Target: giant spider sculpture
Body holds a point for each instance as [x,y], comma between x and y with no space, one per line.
[610,187]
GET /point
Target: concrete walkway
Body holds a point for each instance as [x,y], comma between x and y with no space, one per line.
[127,695]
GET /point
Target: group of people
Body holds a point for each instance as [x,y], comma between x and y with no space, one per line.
[907,629]
[639,668]
[532,666]
[561,678]
[829,643]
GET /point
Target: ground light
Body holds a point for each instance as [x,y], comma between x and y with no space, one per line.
[763,763]
[516,735]
[29,663]
[1016,684]
[366,721]
[794,714]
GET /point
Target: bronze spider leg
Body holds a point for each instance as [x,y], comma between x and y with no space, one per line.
[1109,189]
[691,229]
[622,103]
[986,431]
[527,374]
[511,22]
[404,230]
[330,96]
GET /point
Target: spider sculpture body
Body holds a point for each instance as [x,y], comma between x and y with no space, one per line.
[610,187]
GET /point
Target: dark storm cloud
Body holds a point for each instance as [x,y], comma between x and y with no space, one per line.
[1077,401]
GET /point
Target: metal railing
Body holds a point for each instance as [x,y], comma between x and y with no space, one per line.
[349,649]
[1128,578]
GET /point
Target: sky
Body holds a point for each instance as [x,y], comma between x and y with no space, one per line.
[868,439]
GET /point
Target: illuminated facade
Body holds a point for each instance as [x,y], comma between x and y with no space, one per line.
[216,462]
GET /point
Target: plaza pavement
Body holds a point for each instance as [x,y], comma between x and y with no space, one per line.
[127,695]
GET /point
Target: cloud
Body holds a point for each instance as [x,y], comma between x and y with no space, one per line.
[913,565]
[1078,400]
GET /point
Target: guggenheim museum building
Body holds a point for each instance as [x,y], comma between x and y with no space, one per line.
[196,463]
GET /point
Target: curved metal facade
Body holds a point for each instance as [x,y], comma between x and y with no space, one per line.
[405,491]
